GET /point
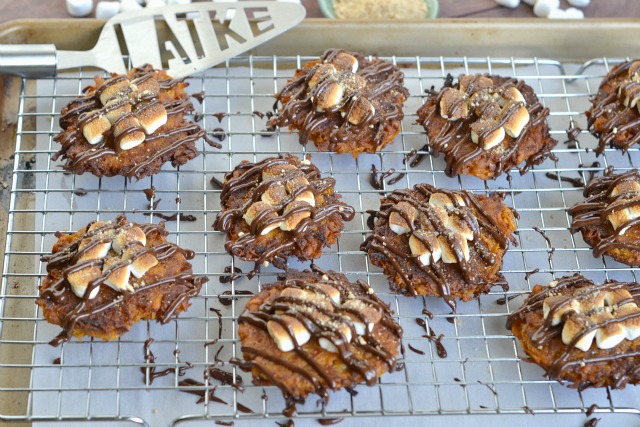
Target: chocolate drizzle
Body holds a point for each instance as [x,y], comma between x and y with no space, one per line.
[599,203]
[247,184]
[482,223]
[57,291]
[614,123]
[164,143]
[571,357]
[383,81]
[322,317]
[454,137]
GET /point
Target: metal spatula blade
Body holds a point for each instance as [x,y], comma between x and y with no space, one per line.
[198,36]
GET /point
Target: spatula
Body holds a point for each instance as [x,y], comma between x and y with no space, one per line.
[198,36]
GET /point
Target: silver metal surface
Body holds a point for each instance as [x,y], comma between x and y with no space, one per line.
[198,36]
[483,372]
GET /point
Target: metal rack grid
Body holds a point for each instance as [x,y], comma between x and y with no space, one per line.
[483,371]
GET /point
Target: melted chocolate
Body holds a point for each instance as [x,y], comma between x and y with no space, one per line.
[599,204]
[65,258]
[57,361]
[226,298]
[231,277]
[531,273]
[224,423]
[219,314]
[245,184]
[203,394]
[576,182]
[219,116]
[378,182]
[80,192]
[288,423]
[415,350]
[454,138]
[329,421]
[84,109]
[340,315]
[381,76]
[481,223]
[150,193]
[503,300]
[591,409]
[216,182]
[219,134]
[199,96]
[175,216]
[619,125]
[225,378]
[580,288]
[593,422]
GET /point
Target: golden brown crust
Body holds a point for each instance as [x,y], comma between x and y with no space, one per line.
[149,302]
[407,275]
[615,367]
[331,129]
[461,153]
[270,368]
[172,142]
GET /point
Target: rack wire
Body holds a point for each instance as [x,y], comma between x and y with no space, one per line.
[483,371]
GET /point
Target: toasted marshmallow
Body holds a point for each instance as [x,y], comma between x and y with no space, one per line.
[397,221]
[140,264]
[332,292]
[620,217]
[345,62]
[97,225]
[342,331]
[128,132]
[267,214]
[628,186]
[128,236]
[370,315]
[511,93]
[114,89]
[442,199]
[294,213]
[608,336]
[426,246]
[485,133]
[118,279]
[275,195]
[117,108]
[441,213]
[573,326]
[94,251]
[283,336]
[448,253]
[79,280]
[145,87]
[322,71]
[305,295]
[329,95]
[151,115]
[460,226]
[453,104]
[94,130]
[361,111]
[296,182]
[516,121]
[478,82]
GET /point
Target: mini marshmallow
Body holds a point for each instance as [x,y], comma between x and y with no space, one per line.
[542,8]
[107,9]
[509,3]
[579,3]
[79,8]
[573,13]
[129,6]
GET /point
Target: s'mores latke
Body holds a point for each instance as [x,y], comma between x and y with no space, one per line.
[280,207]
[344,102]
[614,116]
[439,242]
[486,125]
[581,332]
[311,332]
[129,125]
[108,275]
[609,217]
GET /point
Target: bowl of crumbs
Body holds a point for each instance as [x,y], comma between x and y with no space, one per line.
[378,9]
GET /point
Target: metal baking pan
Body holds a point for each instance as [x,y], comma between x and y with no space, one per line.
[483,372]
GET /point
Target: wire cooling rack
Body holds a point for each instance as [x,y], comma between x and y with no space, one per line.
[482,373]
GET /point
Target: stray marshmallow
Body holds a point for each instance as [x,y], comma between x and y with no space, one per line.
[542,8]
[579,3]
[509,3]
[107,9]
[79,8]
[129,6]
[573,13]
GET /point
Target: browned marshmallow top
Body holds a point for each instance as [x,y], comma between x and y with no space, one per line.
[129,110]
[614,199]
[494,111]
